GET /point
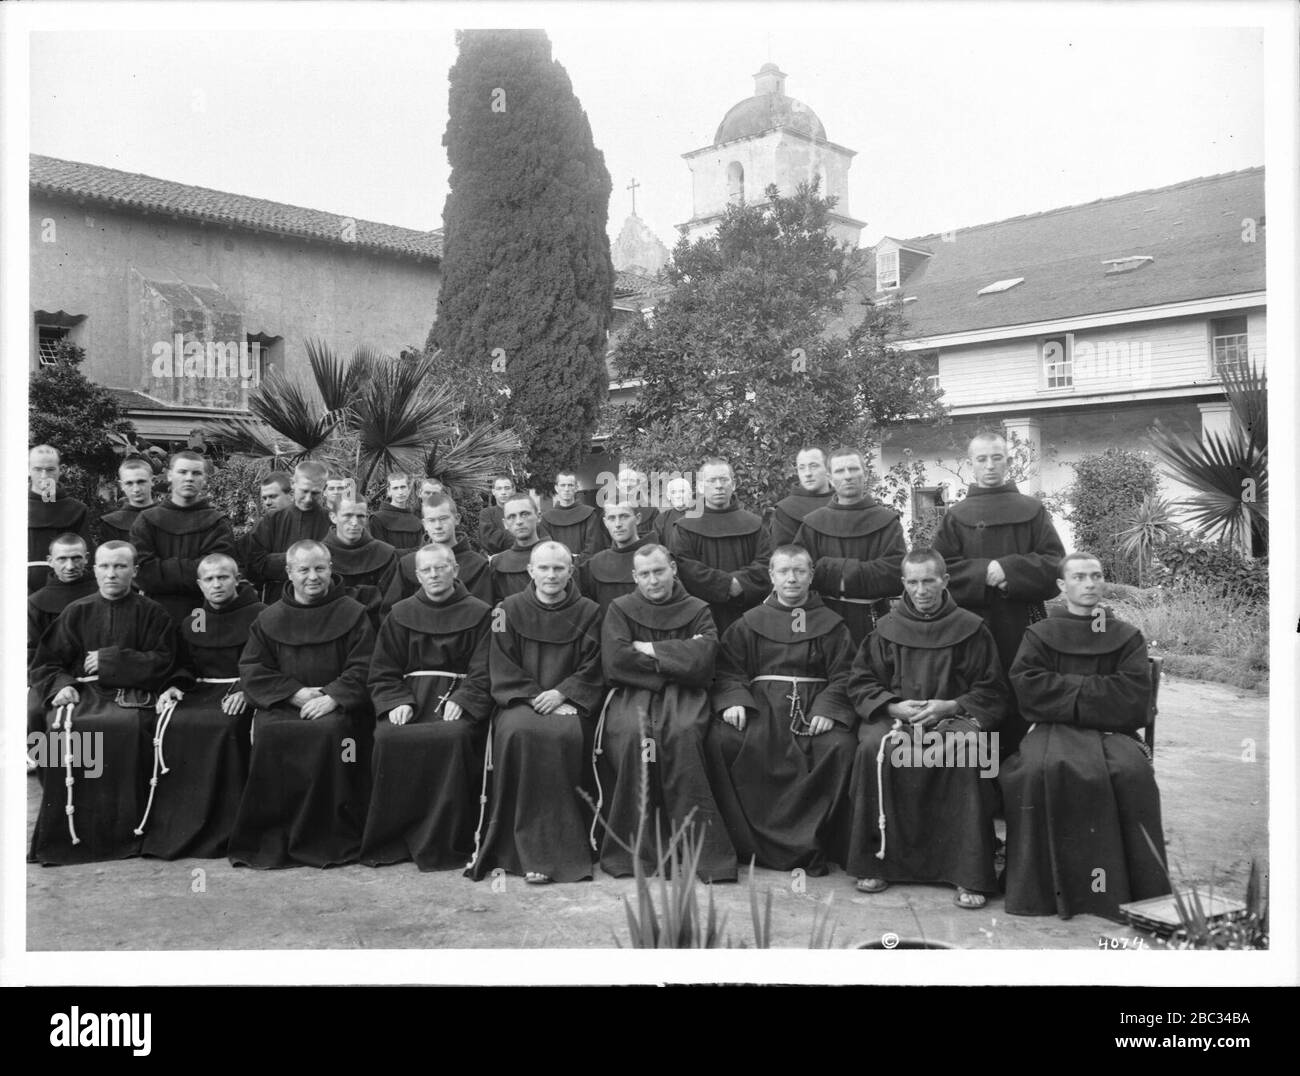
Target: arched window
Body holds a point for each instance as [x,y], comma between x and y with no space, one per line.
[736,183]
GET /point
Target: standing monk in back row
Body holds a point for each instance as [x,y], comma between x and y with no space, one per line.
[1002,554]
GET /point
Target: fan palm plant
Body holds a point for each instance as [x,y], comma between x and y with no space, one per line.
[1150,523]
[1228,472]
[370,414]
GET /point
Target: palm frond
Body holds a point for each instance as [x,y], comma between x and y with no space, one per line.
[471,462]
[332,376]
[289,410]
[401,414]
[1247,389]
[1229,475]
[254,438]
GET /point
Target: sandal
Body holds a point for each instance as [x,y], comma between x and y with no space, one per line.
[535,878]
[965,898]
[872,885]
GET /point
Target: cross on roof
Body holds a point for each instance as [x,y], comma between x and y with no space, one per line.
[632,187]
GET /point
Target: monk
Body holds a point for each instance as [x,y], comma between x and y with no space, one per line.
[440,519]
[174,536]
[1002,554]
[930,693]
[781,750]
[571,523]
[135,478]
[393,522]
[509,569]
[811,490]
[492,534]
[546,682]
[49,512]
[658,647]
[365,565]
[204,723]
[304,520]
[304,669]
[608,574]
[1081,797]
[97,670]
[681,503]
[429,686]
[857,547]
[722,554]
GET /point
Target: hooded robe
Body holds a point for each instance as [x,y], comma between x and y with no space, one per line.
[473,575]
[270,540]
[205,749]
[784,796]
[938,817]
[578,527]
[717,546]
[857,552]
[1005,525]
[136,641]
[670,694]
[536,820]
[1081,790]
[426,773]
[116,526]
[789,512]
[608,574]
[399,527]
[304,802]
[170,540]
[366,569]
[46,520]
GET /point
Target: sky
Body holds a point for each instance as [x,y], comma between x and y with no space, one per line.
[982,114]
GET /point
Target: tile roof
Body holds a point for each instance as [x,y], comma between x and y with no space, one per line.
[135,400]
[129,190]
[633,286]
[1193,230]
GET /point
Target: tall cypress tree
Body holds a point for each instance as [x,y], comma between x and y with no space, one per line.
[527,278]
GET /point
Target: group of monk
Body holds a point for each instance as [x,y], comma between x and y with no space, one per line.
[591,684]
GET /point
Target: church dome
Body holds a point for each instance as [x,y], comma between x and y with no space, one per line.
[768,109]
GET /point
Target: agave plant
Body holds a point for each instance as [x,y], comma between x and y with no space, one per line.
[372,413]
[1229,473]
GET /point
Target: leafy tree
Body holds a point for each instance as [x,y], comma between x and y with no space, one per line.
[528,283]
[745,358]
[1108,492]
[79,418]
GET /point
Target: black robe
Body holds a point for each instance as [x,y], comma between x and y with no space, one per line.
[1015,530]
[857,552]
[366,570]
[608,574]
[274,534]
[670,693]
[792,510]
[784,797]
[304,802]
[665,524]
[397,526]
[938,817]
[1081,789]
[46,520]
[205,749]
[116,526]
[536,820]
[43,608]
[508,571]
[716,547]
[492,534]
[171,540]
[473,575]
[577,527]
[136,640]
[649,525]
[427,773]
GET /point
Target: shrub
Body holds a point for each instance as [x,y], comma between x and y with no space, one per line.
[1106,491]
[1216,566]
[234,488]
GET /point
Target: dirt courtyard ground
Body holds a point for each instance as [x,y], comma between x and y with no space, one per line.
[1215,805]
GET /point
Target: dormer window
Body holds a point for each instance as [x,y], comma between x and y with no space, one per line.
[1001,285]
[1115,266]
[887,270]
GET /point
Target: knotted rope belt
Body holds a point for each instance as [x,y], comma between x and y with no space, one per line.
[453,676]
[63,716]
[164,723]
[598,749]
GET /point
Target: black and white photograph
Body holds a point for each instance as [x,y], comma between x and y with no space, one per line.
[508,485]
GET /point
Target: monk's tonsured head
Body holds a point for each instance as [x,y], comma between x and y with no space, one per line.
[791,572]
[925,578]
[550,565]
[1081,581]
[309,485]
[115,568]
[307,563]
[519,516]
[218,576]
[620,522]
[350,517]
[654,571]
[436,569]
[988,458]
[440,518]
[68,557]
